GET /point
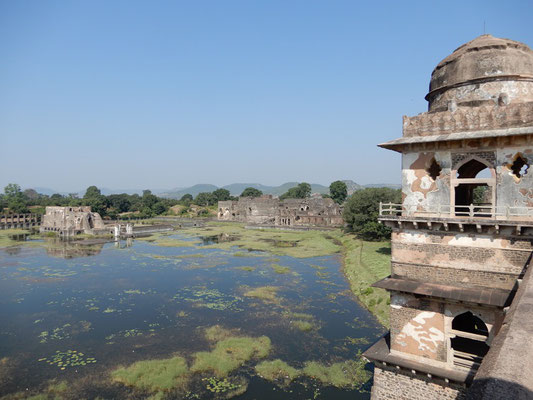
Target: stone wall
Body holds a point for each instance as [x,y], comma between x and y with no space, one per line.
[266,210]
[75,219]
[417,327]
[393,384]
[420,190]
[453,276]
[461,251]
[466,119]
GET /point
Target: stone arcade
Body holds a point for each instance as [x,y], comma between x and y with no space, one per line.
[266,210]
[72,220]
[463,236]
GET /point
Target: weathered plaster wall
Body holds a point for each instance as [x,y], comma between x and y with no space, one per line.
[71,218]
[292,212]
[513,191]
[461,251]
[419,190]
[417,327]
[484,93]
[391,384]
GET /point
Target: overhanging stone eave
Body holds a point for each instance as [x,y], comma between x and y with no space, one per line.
[474,295]
[398,144]
[523,223]
[379,352]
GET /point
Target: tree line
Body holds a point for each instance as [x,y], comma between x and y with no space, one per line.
[360,213]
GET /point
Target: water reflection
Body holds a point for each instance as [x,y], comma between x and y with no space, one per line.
[77,310]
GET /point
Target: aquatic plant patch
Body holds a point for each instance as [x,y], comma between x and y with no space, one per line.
[154,375]
[266,293]
[67,359]
[213,299]
[277,370]
[64,332]
[230,353]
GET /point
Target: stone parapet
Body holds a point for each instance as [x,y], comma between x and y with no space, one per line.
[468,119]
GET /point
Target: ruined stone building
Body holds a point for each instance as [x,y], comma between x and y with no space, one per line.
[72,220]
[463,236]
[266,210]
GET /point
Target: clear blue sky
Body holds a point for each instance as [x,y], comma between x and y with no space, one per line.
[164,94]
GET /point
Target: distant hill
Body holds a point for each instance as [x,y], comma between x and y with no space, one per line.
[193,190]
[387,185]
[351,186]
[237,188]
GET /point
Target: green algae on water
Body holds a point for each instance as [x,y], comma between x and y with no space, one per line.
[280,269]
[347,374]
[266,293]
[69,358]
[249,269]
[277,371]
[154,375]
[231,353]
[209,298]
[304,326]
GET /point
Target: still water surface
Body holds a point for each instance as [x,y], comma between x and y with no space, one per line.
[119,303]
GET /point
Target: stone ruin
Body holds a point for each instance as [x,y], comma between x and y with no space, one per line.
[70,221]
[267,210]
[462,239]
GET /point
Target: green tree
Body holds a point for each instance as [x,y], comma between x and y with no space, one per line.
[362,209]
[338,191]
[221,195]
[159,208]
[120,202]
[16,202]
[91,192]
[186,198]
[301,191]
[148,199]
[93,197]
[31,195]
[205,199]
[251,192]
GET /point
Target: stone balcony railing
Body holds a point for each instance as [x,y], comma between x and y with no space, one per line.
[466,119]
[474,212]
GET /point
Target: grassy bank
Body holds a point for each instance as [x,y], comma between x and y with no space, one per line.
[364,264]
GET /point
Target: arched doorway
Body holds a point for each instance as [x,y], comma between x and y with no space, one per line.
[473,185]
[468,342]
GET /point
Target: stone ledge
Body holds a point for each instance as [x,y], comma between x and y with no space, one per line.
[398,144]
[486,296]
[379,352]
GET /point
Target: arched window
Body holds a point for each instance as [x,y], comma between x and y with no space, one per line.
[468,343]
[468,322]
[473,185]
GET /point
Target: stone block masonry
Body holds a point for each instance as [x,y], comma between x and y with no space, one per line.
[393,384]
[266,210]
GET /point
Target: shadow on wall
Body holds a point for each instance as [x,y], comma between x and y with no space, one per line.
[497,389]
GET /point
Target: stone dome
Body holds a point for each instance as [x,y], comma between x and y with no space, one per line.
[482,61]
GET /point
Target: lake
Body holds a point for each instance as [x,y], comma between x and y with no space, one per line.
[140,319]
